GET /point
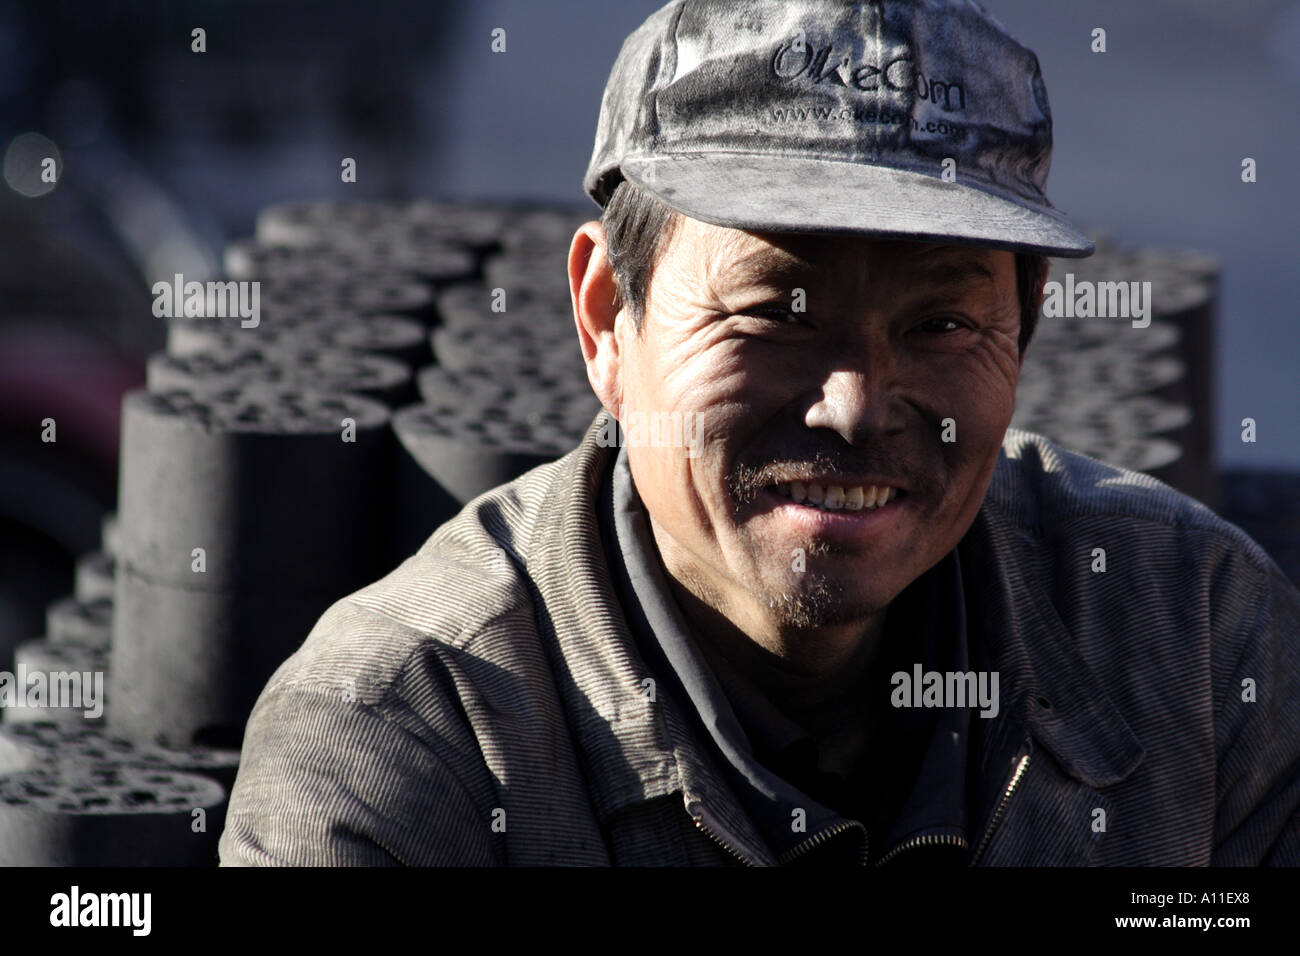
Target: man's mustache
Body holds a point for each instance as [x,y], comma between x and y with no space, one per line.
[746,478]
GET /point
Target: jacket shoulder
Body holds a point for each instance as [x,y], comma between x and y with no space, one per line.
[367,745]
[468,579]
[1041,487]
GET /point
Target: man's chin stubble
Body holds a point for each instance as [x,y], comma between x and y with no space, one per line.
[817,604]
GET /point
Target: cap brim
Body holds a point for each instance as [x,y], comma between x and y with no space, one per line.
[764,193]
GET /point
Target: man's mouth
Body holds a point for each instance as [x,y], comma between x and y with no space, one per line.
[838,497]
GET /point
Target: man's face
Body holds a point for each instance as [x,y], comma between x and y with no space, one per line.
[900,372]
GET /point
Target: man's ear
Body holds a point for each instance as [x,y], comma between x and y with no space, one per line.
[595,312]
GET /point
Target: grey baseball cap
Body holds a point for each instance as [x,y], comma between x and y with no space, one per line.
[910,119]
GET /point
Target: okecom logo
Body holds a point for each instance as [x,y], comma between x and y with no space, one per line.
[796,57]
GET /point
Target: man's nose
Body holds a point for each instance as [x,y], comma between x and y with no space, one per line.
[859,402]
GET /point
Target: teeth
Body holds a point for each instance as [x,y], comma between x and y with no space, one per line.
[837,497]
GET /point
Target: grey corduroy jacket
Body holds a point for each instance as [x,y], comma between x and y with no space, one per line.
[484,704]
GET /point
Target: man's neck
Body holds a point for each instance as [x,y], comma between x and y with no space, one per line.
[796,669]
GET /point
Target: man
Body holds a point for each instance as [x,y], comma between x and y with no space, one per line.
[808,601]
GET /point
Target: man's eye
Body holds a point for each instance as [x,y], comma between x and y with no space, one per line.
[941,324]
[777,313]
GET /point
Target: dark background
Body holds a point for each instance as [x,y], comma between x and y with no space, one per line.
[166,154]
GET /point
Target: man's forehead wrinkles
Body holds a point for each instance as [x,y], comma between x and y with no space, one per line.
[764,262]
[930,265]
[952,267]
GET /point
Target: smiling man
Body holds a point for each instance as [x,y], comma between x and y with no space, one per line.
[859,620]
[821,428]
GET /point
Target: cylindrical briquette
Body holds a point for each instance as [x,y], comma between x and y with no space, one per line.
[68,815]
[392,336]
[372,293]
[467,454]
[94,578]
[286,494]
[189,663]
[474,305]
[329,370]
[25,746]
[476,225]
[428,260]
[70,620]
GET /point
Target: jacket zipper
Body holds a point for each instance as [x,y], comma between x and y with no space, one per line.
[923,840]
[699,823]
[926,839]
[789,855]
[1001,808]
[798,851]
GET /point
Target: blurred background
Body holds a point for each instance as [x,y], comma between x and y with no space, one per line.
[164,155]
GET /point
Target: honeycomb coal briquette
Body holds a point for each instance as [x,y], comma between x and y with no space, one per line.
[69,815]
[422,505]
[476,225]
[1070,334]
[511,348]
[411,251]
[187,335]
[238,473]
[72,690]
[331,370]
[571,414]
[317,221]
[531,228]
[19,752]
[473,305]
[391,336]
[469,455]
[1117,371]
[71,620]
[475,386]
[28,745]
[353,291]
[395,337]
[94,576]
[1145,414]
[386,252]
[189,663]
[544,275]
[246,259]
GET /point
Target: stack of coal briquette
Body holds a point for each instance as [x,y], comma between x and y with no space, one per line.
[1122,390]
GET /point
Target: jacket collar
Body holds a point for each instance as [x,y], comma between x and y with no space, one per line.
[636,749]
